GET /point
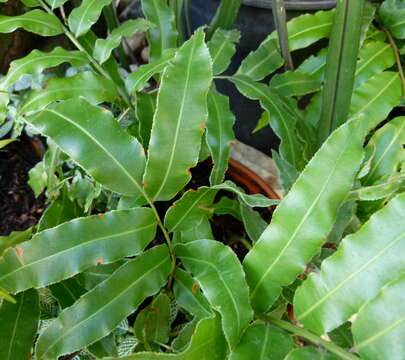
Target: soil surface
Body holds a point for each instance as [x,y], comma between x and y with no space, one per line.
[19,209]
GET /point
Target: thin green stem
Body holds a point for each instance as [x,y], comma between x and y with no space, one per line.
[397,58]
[280,21]
[93,62]
[333,348]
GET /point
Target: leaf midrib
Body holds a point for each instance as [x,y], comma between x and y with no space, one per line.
[304,219]
[21,303]
[24,267]
[147,272]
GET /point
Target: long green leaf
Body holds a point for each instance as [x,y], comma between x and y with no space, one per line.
[18,326]
[164,35]
[302,32]
[96,274]
[340,66]
[179,120]
[84,16]
[34,63]
[95,88]
[221,278]
[392,14]
[219,134]
[67,292]
[305,216]
[35,21]
[201,231]
[100,146]
[207,343]
[99,311]
[388,144]
[281,120]
[222,48]
[380,325]
[375,98]
[225,16]
[136,80]
[364,262]
[61,252]
[104,47]
[188,295]
[264,343]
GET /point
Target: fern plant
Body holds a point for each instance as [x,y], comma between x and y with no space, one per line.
[124,262]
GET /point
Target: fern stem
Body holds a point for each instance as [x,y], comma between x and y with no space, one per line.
[93,62]
[397,58]
[331,347]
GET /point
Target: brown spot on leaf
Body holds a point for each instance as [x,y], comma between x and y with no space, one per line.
[101,216]
[20,254]
[202,126]
[195,288]
[99,261]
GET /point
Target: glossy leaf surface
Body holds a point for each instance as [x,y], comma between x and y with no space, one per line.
[380,326]
[74,246]
[14,238]
[310,353]
[266,342]
[221,278]
[179,120]
[225,16]
[222,48]
[322,303]
[55,3]
[376,97]
[145,108]
[84,16]
[104,47]
[100,310]
[188,295]
[164,35]
[219,134]
[18,326]
[93,139]
[95,88]
[304,217]
[35,21]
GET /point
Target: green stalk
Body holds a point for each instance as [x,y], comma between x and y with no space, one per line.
[280,21]
[397,59]
[301,332]
[225,16]
[177,7]
[340,66]
[110,15]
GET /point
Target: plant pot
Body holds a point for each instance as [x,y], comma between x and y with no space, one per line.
[255,22]
[248,179]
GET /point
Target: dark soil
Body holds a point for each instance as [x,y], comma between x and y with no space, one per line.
[19,208]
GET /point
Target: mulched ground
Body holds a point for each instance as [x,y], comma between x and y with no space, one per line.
[19,209]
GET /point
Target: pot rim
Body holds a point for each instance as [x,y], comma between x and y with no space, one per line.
[253,182]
